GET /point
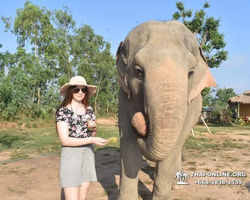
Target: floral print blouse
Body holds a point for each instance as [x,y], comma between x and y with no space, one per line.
[77,124]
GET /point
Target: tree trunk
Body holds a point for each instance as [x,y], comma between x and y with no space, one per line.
[38,96]
[35,51]
[107,109]
[96,95]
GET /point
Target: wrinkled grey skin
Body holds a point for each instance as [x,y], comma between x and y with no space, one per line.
[162,72]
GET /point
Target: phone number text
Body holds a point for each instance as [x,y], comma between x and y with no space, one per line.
[218,182]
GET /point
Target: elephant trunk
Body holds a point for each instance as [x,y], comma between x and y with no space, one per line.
[166,105]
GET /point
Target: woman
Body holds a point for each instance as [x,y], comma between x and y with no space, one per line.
[77,128]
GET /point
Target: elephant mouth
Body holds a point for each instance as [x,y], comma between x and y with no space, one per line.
[139,123]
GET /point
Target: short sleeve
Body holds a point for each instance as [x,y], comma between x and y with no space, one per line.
[62,115]
[91,113]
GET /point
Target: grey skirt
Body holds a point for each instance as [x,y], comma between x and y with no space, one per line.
[77,165]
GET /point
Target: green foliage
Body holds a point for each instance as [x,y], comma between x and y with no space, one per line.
[216,112]
[34,125]
[222,96]
[229,116]
[206,32]
[207,97]
[240,121]
[30,79]
[219,100]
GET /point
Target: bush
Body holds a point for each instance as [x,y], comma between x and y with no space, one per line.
[19,123]
[240,121]
[218,117]
[34,125]
[229,116]
[27,125]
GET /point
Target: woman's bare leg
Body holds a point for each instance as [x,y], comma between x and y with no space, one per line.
[71,193]
[84,190]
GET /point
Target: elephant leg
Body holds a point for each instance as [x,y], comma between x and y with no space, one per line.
[178,167]
[131,159]
[165,172]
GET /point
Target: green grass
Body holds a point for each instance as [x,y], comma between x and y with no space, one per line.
[192,163]
[246,134]
[199,144]
[192,168]
[24,143]
[214,128]
[232,144]
[203,144]
[235,159]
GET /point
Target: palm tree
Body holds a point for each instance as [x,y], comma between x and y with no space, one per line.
[185,177]
[178,175]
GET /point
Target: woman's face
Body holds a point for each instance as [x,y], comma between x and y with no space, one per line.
[79,93]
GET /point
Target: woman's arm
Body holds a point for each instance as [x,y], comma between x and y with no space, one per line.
[92,122]
[62,130]
[93,134]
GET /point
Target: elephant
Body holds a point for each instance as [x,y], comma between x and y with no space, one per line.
[161,72]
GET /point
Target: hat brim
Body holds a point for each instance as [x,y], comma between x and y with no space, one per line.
[91,89]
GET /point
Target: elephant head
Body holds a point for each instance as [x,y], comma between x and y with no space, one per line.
[162,70]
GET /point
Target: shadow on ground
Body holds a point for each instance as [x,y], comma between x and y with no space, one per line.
[108,167]
[247,185]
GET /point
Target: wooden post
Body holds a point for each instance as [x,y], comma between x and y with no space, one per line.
[192,130]
[238,113]
[206,125]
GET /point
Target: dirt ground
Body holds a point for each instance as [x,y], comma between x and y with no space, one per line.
[37,178]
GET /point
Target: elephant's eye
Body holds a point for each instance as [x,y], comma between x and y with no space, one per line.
[139,73]
[190,73]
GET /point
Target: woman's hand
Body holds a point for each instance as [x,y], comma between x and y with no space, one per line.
[99,141]
[92,126]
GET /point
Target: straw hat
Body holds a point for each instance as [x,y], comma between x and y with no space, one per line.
[78,81]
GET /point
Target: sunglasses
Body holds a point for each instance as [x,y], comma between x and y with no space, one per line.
[84,90]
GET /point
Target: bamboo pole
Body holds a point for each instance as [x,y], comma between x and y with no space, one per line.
[206,125]
[192,131]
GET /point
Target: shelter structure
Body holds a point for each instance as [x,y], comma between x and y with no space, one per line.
[240,105]
[207,113]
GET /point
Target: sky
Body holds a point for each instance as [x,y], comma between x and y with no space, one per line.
[113,19]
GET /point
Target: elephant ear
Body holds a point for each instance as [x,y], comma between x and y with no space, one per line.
[122,66]
[201,77]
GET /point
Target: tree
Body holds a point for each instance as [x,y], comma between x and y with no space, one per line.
[222,96]
[2,58]
[15,85]
[207,97]
[92,58]
[32,26]
[206,32]
[63,46]
[218,97]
